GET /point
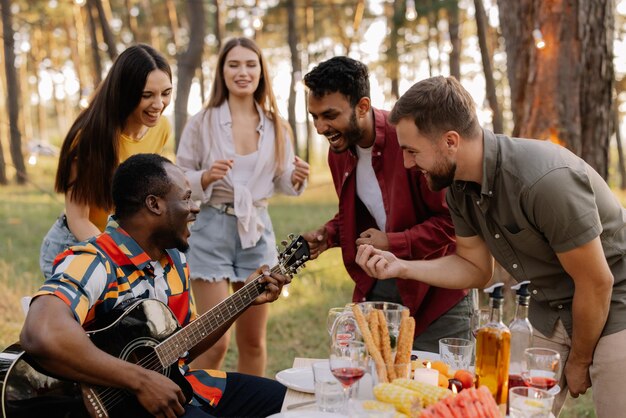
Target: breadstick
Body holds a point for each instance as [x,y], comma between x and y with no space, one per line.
[369,343]
[404,345]
[386,344]
[405,314]
[373,323]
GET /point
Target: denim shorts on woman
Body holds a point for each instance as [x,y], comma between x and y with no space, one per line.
[57,240]
[215,251]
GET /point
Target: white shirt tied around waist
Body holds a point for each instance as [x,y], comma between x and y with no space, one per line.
[207,137]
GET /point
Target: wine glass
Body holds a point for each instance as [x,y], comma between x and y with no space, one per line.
[333,314]
[542,368]
[348,363]
[344,328]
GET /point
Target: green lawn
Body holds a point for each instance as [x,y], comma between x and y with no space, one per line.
[297,322]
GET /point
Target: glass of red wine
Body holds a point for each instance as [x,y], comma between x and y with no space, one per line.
[542,368]
[348,363]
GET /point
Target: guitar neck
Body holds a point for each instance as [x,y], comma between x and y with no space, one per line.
[173,348]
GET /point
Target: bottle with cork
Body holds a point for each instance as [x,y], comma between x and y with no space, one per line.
[493,350]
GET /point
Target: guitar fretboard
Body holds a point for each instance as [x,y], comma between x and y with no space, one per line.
[170,350]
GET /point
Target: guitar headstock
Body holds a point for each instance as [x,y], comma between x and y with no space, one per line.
[295,254]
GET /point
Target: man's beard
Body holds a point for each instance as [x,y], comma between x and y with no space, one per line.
[168,239]
[354,133]
[442,176]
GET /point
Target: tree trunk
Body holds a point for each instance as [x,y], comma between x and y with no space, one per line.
[219,23]
[80,49]
[13,94]
[3,132]
[296,69]
[309,32]
[563,91]
[172,18]
[430,18]
[131,21]
[95,53]
[393,64]
[485,54]
[188,62]
[455,40]
[107,33]
[621,164]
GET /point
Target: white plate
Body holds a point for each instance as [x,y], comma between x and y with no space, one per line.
[306,414]
[297,378]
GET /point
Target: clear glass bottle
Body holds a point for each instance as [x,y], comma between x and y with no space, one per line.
[521,333]
[493,349]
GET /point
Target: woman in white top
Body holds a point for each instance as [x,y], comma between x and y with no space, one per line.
[235,153]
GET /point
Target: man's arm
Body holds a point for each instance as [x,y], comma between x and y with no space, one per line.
[429,236]
[323,238]
[471,266]
[56,340]
[593,282]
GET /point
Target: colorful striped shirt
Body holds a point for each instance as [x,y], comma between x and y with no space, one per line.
[95,276]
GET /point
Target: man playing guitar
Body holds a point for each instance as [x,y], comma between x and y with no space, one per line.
[140,256]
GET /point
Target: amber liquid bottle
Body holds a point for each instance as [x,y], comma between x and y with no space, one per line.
[493,350]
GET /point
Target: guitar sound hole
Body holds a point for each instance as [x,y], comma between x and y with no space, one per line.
[146,357]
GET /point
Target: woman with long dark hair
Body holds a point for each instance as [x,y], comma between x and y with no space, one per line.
[122,119]
[235,153]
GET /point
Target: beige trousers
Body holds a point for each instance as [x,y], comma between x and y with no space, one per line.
[608,370]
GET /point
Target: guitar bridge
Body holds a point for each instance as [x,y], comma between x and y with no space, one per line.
[93,403]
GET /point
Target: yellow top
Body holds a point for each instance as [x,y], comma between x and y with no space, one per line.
[153,142]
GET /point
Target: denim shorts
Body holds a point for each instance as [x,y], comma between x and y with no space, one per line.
[215,251]
[57,240]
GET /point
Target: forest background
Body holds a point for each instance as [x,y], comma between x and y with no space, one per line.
[546,69]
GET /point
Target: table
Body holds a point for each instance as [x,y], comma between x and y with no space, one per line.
[293,396]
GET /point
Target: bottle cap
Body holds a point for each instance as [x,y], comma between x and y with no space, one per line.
[521,289]
[495,291]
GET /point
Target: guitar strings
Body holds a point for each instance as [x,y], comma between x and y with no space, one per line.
[110,397]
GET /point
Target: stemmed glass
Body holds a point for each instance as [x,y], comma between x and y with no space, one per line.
[333,314]
[344,328]
[348,363]
[542,368]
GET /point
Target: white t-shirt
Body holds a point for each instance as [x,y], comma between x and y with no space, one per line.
[367,187]
[243,169]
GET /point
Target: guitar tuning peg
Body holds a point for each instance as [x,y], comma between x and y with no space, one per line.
[284,243]
[291,237]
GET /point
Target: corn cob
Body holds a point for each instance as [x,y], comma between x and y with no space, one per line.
[405,400]
[382,406]
[428,394]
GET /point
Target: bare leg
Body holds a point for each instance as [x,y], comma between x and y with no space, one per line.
[206,295]
[250,334]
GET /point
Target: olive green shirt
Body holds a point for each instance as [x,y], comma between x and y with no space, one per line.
[538,199]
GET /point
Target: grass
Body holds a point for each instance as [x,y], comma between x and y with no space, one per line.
[297,323]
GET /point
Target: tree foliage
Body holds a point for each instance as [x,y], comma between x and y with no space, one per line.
[562,92]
